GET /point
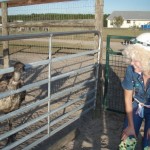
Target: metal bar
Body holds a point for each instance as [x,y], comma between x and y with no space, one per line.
[36,142]
[5,135]
[74,72]
[26,87]
[23,109]
[40,102]
[71,120]
[38,63]
[71,102]
[74,55]
[39,83]
[11,132]
[40,35]
[25,138]
[106,72]
[71,112]
[120,37]
[37,103]
[73,89]
[58,129]
[4,1]
[97,68]
[6,70]
[45,62]
[49,81]
[33,105]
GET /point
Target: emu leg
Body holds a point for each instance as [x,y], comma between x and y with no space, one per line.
[11,138]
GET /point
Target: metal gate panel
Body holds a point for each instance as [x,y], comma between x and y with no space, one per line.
[60,88]
[114,73]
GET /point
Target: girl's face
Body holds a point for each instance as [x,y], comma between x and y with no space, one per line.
[137,65]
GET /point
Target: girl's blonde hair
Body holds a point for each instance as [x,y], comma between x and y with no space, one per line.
[137,52]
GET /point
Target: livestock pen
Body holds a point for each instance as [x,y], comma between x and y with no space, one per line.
[61,52]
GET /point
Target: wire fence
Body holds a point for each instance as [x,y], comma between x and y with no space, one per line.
[114,73]
[51,17]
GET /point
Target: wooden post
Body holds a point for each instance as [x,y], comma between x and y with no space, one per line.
[99,26]
[5,32]
[99,15]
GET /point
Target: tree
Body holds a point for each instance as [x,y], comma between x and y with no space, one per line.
[118,21]
[104,20]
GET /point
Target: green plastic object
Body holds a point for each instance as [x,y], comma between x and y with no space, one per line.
[147,148]
[128,144]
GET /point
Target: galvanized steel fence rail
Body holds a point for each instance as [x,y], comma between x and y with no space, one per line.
[51,97]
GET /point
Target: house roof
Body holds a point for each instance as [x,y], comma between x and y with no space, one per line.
[15,3]
[130,15]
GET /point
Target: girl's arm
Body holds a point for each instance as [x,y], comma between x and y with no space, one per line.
[148,134]
[128,108]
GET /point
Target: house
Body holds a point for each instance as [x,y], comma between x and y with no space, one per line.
[131,18]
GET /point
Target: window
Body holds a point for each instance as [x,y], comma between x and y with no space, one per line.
[128,21]
[111,23]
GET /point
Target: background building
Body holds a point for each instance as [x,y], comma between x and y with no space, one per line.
[131,18]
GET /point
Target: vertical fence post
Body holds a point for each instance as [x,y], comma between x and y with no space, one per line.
[97,71]
[99,26]
[5,32]
[106,73]
[49,79]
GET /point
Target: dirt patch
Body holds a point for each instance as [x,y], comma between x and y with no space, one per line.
[101,133]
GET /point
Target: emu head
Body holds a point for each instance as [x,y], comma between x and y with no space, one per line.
[19,67]
[16,80]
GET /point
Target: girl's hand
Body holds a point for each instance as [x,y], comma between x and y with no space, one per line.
[128,132]
[148,134]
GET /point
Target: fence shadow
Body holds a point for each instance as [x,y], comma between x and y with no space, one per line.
[103,131]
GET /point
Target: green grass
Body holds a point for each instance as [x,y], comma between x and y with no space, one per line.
[41,46]
[106,31]
[122,32]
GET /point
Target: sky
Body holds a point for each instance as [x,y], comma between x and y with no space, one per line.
[77,6]
[126,5]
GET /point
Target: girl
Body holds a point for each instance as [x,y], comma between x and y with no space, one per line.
[136,85]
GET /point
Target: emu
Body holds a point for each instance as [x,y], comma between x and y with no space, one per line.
[12,81]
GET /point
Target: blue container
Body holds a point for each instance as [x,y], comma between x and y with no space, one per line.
[145,27]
